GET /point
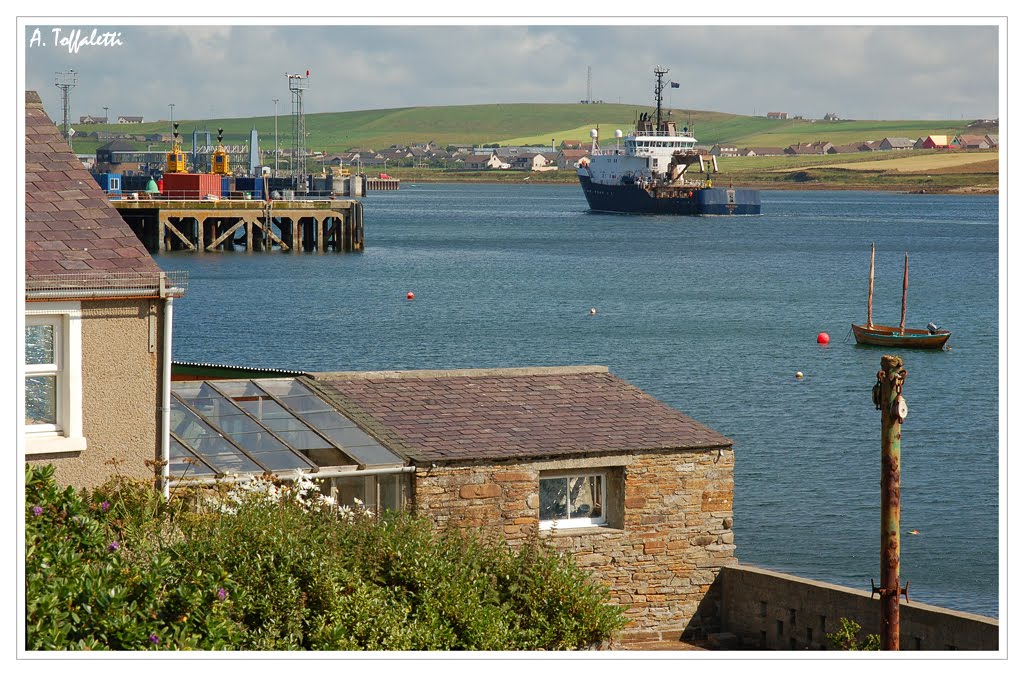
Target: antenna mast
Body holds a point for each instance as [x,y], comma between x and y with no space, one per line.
[660,72]
[66,81]
[590,96]
[298,84]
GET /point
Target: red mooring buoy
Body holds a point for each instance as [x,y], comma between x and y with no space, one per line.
[823,338]
[410,295]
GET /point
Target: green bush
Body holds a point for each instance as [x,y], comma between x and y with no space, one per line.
[270,569]
[846,637]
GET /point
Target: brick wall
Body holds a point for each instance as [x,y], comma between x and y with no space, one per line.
[669,533]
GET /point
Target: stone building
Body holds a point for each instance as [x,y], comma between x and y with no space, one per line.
[637,492]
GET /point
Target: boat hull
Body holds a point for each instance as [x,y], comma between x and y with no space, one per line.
[890,336]
[632,199]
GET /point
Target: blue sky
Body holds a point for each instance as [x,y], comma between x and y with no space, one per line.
[866,70]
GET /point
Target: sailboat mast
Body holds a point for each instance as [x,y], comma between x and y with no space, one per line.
[906,270]
[871,282]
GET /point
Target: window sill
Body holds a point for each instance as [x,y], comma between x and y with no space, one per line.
[603,529]
[50,445]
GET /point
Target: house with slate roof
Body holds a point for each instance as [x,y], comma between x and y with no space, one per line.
[895,143]
[97,323]
[637,492]
[973,142]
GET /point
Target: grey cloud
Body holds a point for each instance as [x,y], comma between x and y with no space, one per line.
[858,71]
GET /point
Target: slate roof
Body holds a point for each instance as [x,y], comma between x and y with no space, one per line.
[510,414]
[70,227]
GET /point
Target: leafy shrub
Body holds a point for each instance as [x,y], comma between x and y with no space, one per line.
[276,568]
[846,637]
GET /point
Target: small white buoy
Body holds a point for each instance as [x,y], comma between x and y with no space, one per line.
[593,310]
[799,374]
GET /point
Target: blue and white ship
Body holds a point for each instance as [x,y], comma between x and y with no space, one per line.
[649,175]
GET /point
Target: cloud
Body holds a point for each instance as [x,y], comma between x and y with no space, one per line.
[211,71]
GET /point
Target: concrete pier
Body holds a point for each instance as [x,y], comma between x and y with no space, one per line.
[249,225]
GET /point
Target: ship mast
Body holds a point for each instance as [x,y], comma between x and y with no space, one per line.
[660,72]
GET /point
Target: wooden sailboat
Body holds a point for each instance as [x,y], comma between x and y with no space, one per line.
[897,336]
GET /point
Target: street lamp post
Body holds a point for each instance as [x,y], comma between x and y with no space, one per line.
[171,106]
[276,152]
[106,120]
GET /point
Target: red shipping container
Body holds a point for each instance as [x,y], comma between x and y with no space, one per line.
[191,186]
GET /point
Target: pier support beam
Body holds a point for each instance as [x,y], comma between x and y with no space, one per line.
[315,225]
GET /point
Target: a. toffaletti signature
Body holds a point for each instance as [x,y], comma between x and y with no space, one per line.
[74,39]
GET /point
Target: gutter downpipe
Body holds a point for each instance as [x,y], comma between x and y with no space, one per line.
[165,394]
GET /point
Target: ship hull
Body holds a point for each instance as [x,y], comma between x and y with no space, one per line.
[632,199]
[892,336]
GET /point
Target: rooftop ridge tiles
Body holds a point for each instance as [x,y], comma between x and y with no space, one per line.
[433,374]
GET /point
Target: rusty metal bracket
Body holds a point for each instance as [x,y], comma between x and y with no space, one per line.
[904,592]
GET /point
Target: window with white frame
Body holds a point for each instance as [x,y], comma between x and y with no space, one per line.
[573,500]
[53,378]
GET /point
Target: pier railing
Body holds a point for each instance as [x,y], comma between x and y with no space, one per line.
[236,198]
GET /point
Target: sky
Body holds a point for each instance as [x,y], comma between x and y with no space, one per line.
[860,70]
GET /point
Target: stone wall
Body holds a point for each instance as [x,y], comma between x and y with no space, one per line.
[773,611]
[669,530]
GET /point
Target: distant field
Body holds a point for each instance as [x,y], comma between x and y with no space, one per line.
[962,162]
[527,123]
[844,132]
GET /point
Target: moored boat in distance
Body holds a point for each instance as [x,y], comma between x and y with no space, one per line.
[870,333]
[649,174]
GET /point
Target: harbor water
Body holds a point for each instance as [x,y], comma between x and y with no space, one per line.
[713,316]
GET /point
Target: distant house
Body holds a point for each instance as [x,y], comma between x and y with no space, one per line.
[91,410]
[816,148]
[937,141]
[850,148]
[528,162]
[777,116]
[129,119]
[993,140]
[895,143]
[439,155]
[571,145]
[92,119]
[831,117]
[973,142]
[482,161]
[570,159]
[761,152]
[721,150]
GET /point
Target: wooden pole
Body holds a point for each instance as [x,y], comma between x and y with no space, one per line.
[890,400]
[871,282]
[906,272]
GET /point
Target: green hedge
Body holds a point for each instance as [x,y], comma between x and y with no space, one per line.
[120,569]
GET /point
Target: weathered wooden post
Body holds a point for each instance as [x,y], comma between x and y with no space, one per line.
[888,396]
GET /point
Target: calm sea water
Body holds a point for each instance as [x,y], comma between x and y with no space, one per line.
[711,315]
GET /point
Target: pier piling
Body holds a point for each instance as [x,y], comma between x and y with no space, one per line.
[200,225]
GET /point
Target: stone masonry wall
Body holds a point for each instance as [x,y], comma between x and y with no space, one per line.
[669,532]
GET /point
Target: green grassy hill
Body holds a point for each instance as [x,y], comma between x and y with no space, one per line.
[527,123]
